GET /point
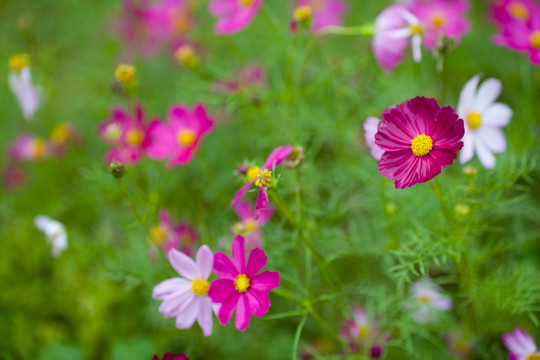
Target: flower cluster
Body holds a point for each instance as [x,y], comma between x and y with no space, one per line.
[168,235]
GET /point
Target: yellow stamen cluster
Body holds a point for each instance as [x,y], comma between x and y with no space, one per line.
[126,74]
[18,62]
[187,56]
[438,20]
[134,137]
[158,234]
[200,287]
[186,138]
[363,332]
[533,357]
[474,120]
[302,13]
[518,10]
[535,39]
[60,134]
[424,299]
[246,3]
[416,29]
[40,148]
[260,178]
[250,225]
[421,145]
[241,283]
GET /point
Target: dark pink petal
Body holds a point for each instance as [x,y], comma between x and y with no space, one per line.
[448,130]
[224,267]
[205,123]
[265,281]
[161,142]
[277,156]
[243,210]
[259,302]
[221,289]
[443,157]
[227,308]
[239,253]
[262,202]
[165,218]
[265,215]
[179,117]
[394,163]
[257,260]
[240,193]
[243,313]
[183,155]
[420,113]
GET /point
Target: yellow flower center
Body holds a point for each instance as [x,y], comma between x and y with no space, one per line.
[424,299]
[518,10]
[186,138]
[246,3]
[187,56]
[241,283]
[185,239]
[474,120]
[60,134]
[158,234]
[134,137]
[125,73]
[533,357]
[260,178]
[416,29]
[18,62]
[363,332]
[302,13]
[200,287]
[39,149]
[250,225]
[421,145]
[535,39]
[438,20]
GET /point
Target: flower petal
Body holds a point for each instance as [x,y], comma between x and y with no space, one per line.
[243,313]
[488,92]
[188,314]
[224,267]
[204,317]
[497,114]
[239,253]
[205,261]
[183,264]
[493,138]
[257,260]
[259,302]
[221,289]
[265,281]
[240,193]
[467,97]
[467,152]
[173,304]
[227,308]
[486,157]
[262,201]
[170,286]
[277,156]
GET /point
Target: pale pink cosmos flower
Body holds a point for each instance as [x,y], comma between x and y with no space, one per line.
[169,19]
[27,148]
[521,345]
[426,300]
[370,129]
[186,297]
[233,15]
[179,139]
[393,29]
[361,331]
[169,235]
[242,286]
[262,178]
[250,225]
[325,13]
[21,85]
[447,17]
[484,119]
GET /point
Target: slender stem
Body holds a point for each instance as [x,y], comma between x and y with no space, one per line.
[288,296]
[297,337]
[437,189]
[132,205]
[365,30]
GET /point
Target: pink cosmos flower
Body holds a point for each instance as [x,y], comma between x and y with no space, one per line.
[28,148]
[128,133]
[262,178]
[242,286]
[249,76]
[325,12]
[233,15]
[483,120]
[13,175]
[442,17]
[393,28]
[370,128]
[170,356]
[418,138]
[180,138]
[173,236]
[168,19]
[187,297]
[508,11]
[361,331]
[426,299]
[249,225]
[21,85]
[520,344]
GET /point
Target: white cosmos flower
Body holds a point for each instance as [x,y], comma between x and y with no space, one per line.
[55,231]
[483,119]
[427,298]
[414,30]
[24,90]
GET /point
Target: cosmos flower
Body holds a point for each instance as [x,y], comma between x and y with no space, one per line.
[325,13]
[418,138]
[27,147]
[180,138]
[242,286]
[370,129]
[173,236]
[393,29]
[426,299]
[169,19]
[62,135]
[262,178]
[447,17]
[187,297]
[248,77]
[361,331]
[233,15]
[250,226]
[483,120]
[521,345]
[505,12]
[55,232]
[21,85]
[170,356]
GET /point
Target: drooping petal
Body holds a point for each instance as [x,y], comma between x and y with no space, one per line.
[262,201]
[224,267]
[183,264]
[257,260]
[277,156]
[240,193]
[205,261]
[265,281]
[265,215]
[244,210]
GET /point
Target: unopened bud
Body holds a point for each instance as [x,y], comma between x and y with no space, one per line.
[187,56]
[302,15]
[390,208]
[126,75]
[470,171]
[296,158]
[243,169]
[117,169]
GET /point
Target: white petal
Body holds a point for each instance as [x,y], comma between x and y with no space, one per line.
[205,318]
[173,304]
[416,44]
[205,261]
[467,97]
[467,152]
[188,314]
[399,33]
[183,264]
[170,286]
[59,243]
[498,114]
[488,92]
[493,138]
[486,157]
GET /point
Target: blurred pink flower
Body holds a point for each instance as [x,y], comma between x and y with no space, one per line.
[521,345]
[21,85]
[13,175]
[233,15]
[250,226]
[169,236]
[187,297]
[27,147]
[361,331]
[370,129]
[484,119]
[262,178]
[169,19]
[508,11]
[325,12]
[242,286]
[446,17]
[418,138]
[249,76]
[426,299]
[170,356]
[180,138]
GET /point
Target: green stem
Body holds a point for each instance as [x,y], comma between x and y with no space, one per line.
[437,189]
[132,205]
[297,337]
[365,30]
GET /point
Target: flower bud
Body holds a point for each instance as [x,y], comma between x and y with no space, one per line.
[117,169]
[126,75]
[295,159]
[302,15]
[187,56]
[470,171]
[390,209]
[461,211]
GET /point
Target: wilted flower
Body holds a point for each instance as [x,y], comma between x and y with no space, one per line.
[426,299]
[20,83]
[233,15]
[187,297]
[362,332]
[242,286]
[370,129]
[325,13]
[521,345]
[296,158]
[250,226]
[418,138]
[55,232]
[483,120]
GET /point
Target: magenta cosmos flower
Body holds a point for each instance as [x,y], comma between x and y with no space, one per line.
[418,138]
[187,297]
[170,356]
[250,225]
[262,178]
[169,19]
[362,332]
[325,12]
[180,138]
[393,29]
[447,17]
[233,15]
[370,129]
[521,345]
[173,236]
[242,286]
[505,12]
